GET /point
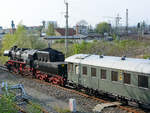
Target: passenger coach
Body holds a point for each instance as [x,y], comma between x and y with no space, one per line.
[124,78]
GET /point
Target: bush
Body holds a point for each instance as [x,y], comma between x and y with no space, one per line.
[130,48]
[7,104]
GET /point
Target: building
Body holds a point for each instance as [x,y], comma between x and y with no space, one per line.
[81,29]
[61,32]
[32,27]
[51,22]
[1,29]
[75,38]
[34,30]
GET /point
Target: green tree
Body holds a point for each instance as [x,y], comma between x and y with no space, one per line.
[103,27]
[22,39]
[50,31]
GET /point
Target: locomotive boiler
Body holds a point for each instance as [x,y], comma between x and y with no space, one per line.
[46,64]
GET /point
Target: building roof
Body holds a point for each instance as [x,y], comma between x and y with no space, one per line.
[71,31]
[129,64]
[1,36]
[63,37]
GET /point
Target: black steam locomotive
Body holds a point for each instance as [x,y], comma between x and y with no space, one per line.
[46,64]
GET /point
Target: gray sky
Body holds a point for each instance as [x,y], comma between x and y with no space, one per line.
[32,12]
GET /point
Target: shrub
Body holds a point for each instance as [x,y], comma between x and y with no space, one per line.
[7,104]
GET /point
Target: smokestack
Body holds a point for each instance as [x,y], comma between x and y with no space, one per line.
[77,29]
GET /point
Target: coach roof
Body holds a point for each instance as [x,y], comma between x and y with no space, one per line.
[128,64]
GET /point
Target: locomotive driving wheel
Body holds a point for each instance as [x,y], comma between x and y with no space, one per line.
[57,80]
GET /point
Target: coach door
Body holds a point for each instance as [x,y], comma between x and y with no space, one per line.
[94,77]
[70,71]
[85,76]
[75,77]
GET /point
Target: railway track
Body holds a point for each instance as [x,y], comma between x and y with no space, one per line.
[126,108]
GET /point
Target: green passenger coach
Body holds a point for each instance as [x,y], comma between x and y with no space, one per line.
[124,78]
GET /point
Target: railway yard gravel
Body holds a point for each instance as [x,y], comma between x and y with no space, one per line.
[50,97]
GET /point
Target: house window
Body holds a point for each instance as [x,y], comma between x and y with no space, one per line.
[70,67]
[76,69]
[84,70]
[114,76]
[143,81]
[127,78]
[103,74]
[93,72]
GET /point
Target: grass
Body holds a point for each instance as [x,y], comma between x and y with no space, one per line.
[61,110]
[33,108]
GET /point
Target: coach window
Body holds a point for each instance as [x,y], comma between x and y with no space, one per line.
[103,74]
[127,78]
[46,60]
[70,67]
[84,70]
[76,69]
[143,81]
[114,76]
[93,72]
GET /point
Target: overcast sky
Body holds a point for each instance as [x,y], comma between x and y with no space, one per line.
[32,12]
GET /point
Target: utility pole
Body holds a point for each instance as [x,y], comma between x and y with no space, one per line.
[12,27]
[66,30]
[139,28]
[118,18]
[127,22]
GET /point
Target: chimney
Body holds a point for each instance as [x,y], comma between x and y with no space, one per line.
[77,30]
